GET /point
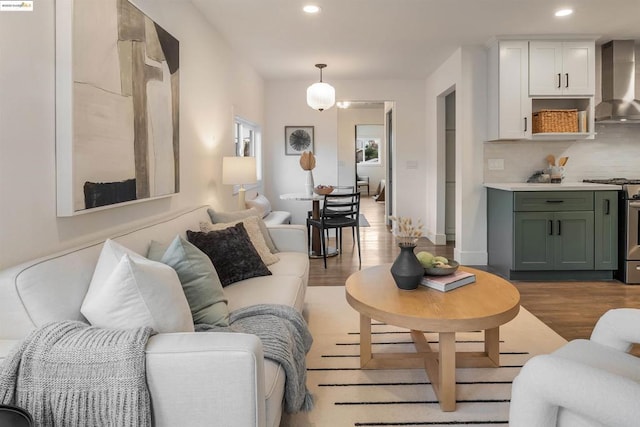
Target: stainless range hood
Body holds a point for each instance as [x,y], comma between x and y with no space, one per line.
[619,83]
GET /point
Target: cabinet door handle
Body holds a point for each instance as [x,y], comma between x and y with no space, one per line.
[567,77]
[607,207]
[525,124]
[559,80]
[555,201]
[550,228]
[559,227]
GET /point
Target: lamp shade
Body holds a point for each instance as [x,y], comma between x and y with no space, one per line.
[321,96]
[239,170]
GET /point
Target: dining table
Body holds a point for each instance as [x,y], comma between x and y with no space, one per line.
[316,245]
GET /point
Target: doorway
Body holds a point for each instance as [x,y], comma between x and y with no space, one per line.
[450,167]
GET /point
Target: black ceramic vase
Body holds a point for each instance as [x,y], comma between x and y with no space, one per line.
[406,269]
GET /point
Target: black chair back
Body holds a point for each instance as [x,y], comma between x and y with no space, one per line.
[338,205]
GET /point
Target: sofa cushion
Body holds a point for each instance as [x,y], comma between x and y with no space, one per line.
[231,252]
[292,264]
[217,217]
[285,290]
[277,218]
[261,203]
[198,277]
[255,235]
[139,293]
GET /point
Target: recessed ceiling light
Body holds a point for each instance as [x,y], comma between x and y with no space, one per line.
[564,12]
[311,8]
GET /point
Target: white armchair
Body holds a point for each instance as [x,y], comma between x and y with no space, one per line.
[592,382]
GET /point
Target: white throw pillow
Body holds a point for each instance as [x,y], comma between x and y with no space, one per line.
[136,292]
[261,203]
[251,224]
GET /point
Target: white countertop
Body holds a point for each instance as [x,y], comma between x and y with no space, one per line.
[565,186]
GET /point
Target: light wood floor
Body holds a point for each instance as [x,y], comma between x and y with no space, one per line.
[569,308]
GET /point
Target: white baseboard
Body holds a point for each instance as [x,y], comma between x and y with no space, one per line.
[470,257]
[437,239]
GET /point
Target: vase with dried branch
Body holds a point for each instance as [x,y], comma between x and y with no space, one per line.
[406,269]
[308,162]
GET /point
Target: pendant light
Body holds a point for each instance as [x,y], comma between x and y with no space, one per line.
[321,96]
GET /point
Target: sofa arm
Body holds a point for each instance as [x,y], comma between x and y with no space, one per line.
[547,383]
[206,378]
[289,237]
[618,328]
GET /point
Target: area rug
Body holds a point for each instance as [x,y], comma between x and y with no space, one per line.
[345,395]
[362,220]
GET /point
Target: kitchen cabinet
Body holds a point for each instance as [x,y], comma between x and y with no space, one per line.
[552,235]
[606,230]
[560,68]
[523,79]
[509,104]
[553,241]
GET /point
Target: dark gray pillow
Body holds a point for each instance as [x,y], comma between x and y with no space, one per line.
[232,253]
[234,216]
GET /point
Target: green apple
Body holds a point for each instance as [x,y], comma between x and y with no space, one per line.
[425,258]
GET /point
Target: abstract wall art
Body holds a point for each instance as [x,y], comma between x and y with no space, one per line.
[117,106]
[298,139]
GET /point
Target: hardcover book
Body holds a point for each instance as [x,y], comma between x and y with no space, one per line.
[449,282]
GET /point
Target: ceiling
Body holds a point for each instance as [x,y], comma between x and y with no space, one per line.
[395,39]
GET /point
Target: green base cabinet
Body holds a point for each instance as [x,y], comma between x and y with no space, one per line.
[552,235]
[606,230]
[553,241]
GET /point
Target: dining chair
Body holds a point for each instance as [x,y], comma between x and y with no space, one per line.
[337,189]
[339,210]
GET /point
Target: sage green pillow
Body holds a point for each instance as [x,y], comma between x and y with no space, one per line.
[199,279]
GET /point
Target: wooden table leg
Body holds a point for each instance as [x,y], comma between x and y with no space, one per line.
[316,246]
[365,340]
[447,377]
[492,345]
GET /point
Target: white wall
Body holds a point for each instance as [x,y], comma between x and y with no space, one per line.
[286,105]
[464,72]
[614,153]
[213,85]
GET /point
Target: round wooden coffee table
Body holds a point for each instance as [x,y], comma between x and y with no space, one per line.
[484,305]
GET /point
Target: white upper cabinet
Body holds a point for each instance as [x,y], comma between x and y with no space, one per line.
[509,109]
[559,68]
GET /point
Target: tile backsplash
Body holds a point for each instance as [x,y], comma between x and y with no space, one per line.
[614,153]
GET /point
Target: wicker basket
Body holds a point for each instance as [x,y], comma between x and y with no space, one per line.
[555,121]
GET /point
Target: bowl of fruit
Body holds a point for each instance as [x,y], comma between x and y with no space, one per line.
[436,265]
[323,189]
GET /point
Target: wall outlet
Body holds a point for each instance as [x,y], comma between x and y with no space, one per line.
[496,164]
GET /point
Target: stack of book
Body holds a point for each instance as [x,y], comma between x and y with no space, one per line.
[449,282]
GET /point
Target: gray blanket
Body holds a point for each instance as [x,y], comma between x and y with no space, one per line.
[285,339]
[70,373]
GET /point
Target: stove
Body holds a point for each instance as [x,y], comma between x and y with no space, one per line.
[629,228]
[614,181]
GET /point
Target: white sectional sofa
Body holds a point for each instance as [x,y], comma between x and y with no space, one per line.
[195,379]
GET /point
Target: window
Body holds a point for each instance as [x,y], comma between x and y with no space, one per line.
[247,140]
[368,140]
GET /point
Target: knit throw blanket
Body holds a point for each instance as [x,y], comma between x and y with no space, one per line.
[285,339]
[70,373]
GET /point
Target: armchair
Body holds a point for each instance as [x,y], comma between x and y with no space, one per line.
[593,382]
[362,181]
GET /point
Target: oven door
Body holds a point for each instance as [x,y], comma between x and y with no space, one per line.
[633,230]
[631,265]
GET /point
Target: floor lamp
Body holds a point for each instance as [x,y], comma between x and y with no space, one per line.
[239,171]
